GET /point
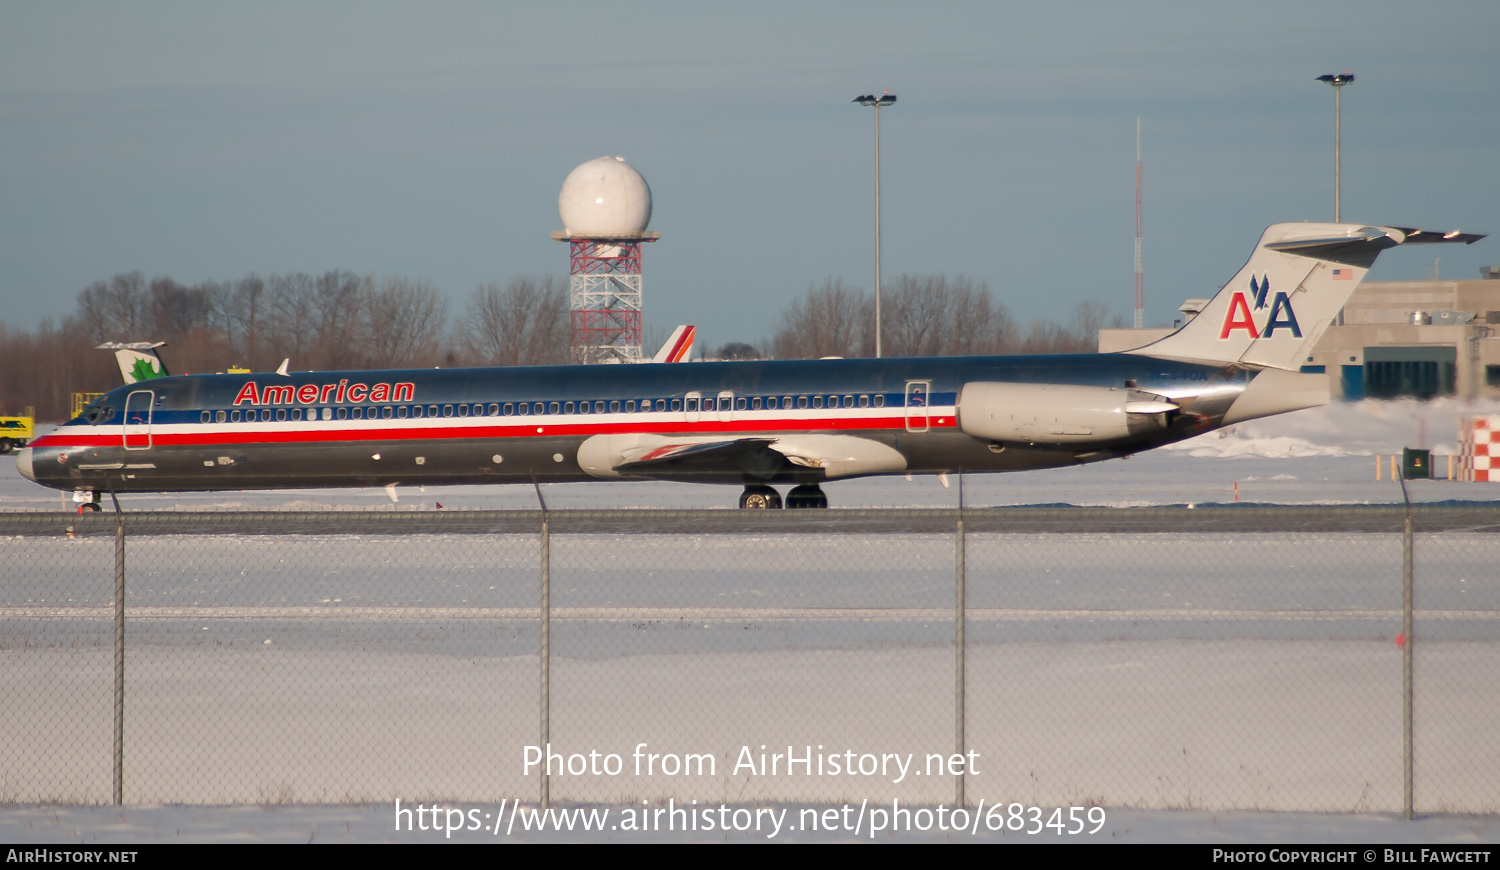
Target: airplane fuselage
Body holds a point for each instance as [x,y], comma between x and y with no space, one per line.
[699,422]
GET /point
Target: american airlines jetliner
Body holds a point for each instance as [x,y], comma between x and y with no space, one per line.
[758,425]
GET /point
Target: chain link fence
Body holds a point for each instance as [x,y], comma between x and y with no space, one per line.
[1217,658]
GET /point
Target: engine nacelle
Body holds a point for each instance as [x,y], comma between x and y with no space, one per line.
[1058,413]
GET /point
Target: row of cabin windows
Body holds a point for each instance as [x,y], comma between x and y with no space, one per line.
[494,409]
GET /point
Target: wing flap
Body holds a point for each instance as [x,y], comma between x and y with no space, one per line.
[764,458]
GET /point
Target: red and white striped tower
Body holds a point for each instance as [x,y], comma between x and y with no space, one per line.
[605,206]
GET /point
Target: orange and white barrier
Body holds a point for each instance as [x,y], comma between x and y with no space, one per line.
[1479,448]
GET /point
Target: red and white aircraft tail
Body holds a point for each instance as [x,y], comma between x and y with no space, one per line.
[678,347]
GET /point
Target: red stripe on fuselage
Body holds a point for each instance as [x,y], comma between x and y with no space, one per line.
[229,435]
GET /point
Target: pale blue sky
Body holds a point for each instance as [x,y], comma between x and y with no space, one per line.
[208,140]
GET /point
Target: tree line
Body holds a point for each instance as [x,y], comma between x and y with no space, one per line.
[341,320]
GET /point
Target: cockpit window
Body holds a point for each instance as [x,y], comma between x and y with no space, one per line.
[97,412]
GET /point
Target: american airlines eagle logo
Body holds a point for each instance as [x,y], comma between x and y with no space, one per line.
[1241,315]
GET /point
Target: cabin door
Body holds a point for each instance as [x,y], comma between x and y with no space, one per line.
[916,405]
[137,426]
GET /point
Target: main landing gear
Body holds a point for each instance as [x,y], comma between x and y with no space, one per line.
[765,498]
[87,501]
[760,498]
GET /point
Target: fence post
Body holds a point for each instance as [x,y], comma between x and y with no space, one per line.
[119,747]
[546,653]
[959,617]
[1407,741]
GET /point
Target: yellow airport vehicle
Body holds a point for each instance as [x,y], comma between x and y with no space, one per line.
[17,432]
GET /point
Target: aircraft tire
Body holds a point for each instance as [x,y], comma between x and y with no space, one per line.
[6,446]
[760,498]
[806,496]
[92,506]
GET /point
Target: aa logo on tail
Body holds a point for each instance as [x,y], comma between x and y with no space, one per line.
[1241,316]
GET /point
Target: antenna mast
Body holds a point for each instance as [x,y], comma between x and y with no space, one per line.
[1140,304]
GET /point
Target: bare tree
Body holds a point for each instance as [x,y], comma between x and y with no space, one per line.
[738,350]
[338,300]
[172,311]
[831,320]
[523,323]
[934,315]
[292,318]
[245,315]
[404,320]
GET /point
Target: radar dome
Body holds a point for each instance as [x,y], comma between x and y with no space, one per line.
[604,198]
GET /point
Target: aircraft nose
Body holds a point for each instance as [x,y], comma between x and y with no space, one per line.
[23,463]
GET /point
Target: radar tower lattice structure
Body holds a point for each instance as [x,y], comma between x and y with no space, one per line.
[605,207]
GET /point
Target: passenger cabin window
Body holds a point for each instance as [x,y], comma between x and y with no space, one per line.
[614,406]
[864,401]
[509,409]
[677,404]
[207,416]
[220,416]
[880,400]
[567,407]
[817,401]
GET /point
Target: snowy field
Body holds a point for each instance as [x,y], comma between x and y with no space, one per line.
[1189,683]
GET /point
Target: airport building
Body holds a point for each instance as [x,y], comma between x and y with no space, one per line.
[1396,339]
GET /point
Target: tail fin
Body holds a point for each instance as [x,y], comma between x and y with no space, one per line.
[678,346]
[1274,311]
[138,361]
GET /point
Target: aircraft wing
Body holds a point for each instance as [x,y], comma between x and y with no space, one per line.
[693,458]
[763,457]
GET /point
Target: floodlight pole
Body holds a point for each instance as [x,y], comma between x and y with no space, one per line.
[875,102]
[1337,81]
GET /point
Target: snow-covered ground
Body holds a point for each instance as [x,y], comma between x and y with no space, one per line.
[1157,675]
